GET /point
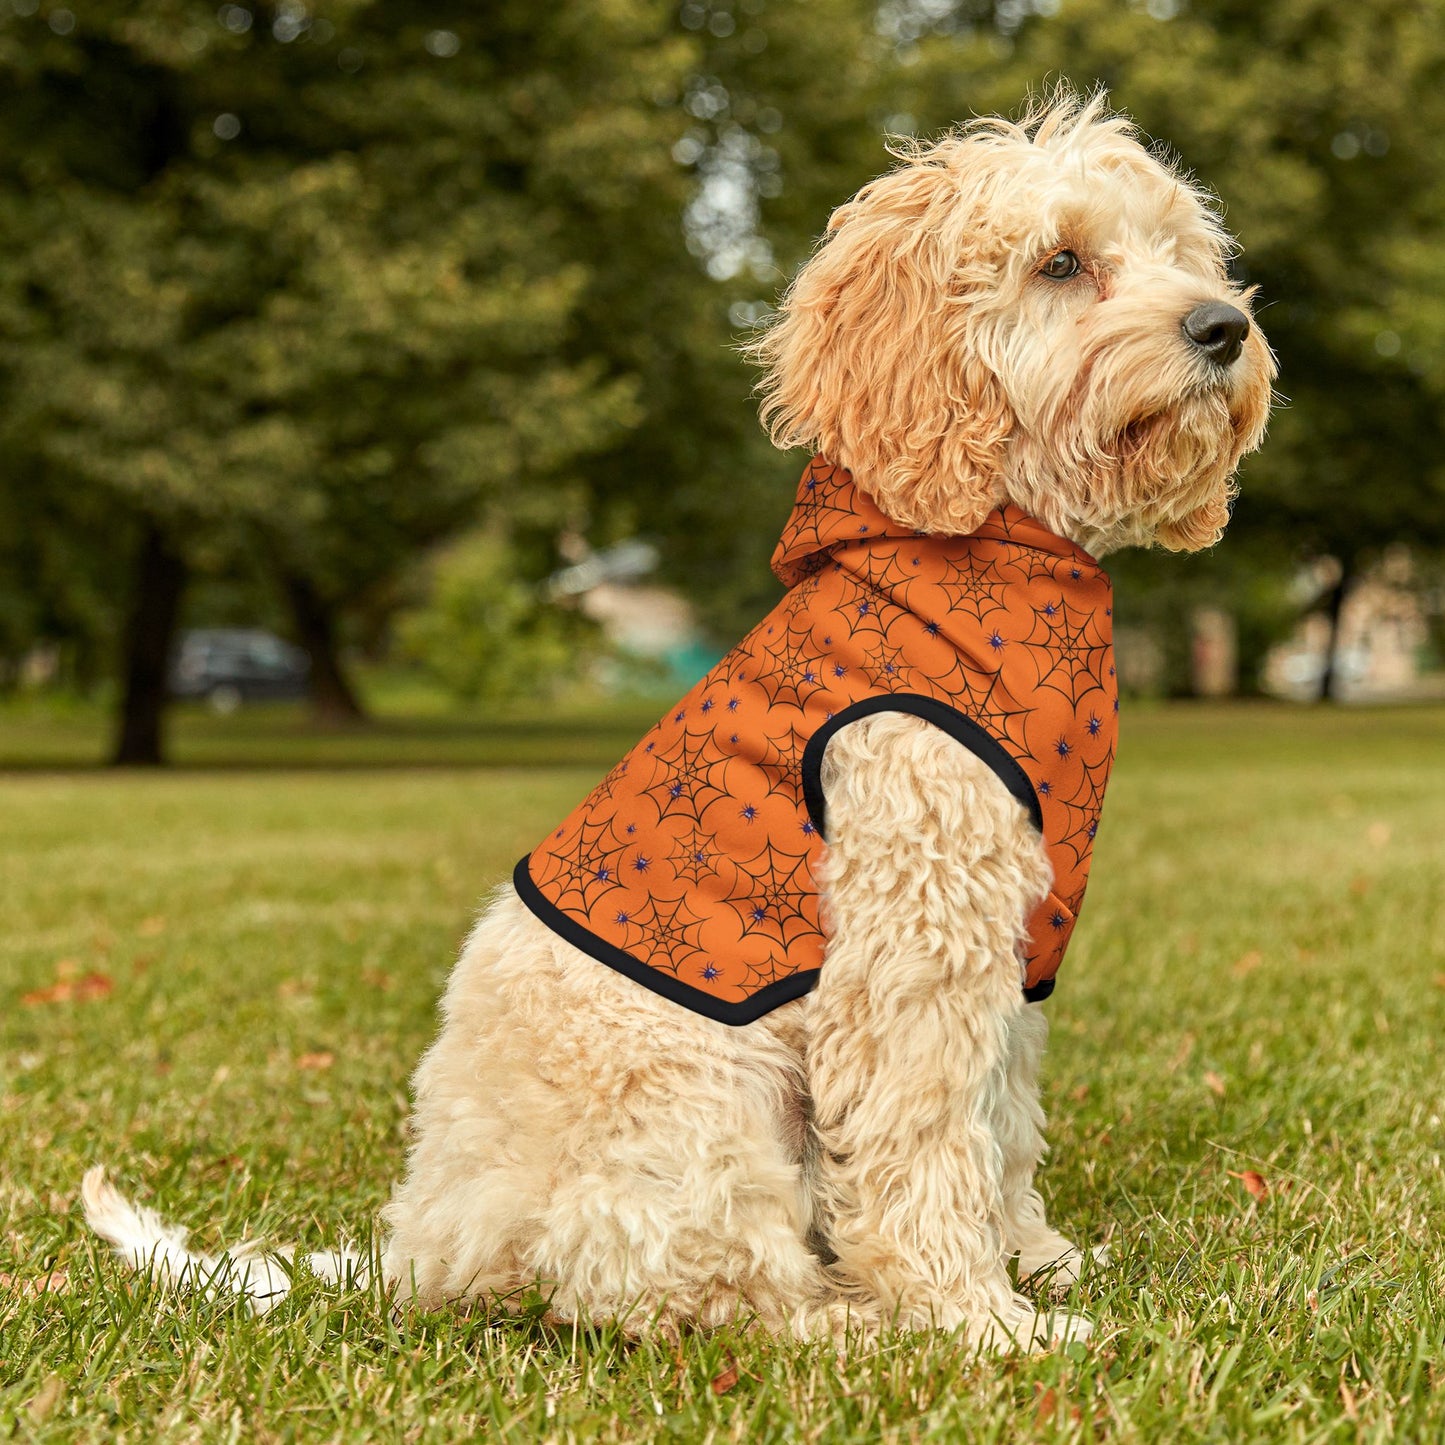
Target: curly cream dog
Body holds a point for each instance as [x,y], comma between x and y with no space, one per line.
[1033,313]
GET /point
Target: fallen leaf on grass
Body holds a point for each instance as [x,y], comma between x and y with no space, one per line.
[724,1382]
[1079,1094]
[1255,1184]
[56,1282]
[1214,1083]
[1440,980]
[1247,963]
[67,990]
[377,978]
[151,927]
[322,1059]
[1046,1407]
[1181,1054]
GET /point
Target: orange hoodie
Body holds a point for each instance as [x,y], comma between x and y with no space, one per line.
[690,867]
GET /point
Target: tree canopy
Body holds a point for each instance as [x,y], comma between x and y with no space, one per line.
[305,289]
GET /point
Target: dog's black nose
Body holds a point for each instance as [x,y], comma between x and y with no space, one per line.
[1218,330]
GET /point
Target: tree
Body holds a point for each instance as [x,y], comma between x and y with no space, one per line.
[327,287]
[295,284]
[779,116]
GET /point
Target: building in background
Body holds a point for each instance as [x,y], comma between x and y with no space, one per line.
[652,630]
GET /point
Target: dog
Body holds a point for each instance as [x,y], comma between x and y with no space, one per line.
[814,1104]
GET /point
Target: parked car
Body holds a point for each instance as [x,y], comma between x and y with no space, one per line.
[230,665]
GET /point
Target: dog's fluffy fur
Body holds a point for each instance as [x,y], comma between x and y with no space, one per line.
[865,1155]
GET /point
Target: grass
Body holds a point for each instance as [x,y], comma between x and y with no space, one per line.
[412,725]
[231,972]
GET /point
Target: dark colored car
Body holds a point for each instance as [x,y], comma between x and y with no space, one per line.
[231,665]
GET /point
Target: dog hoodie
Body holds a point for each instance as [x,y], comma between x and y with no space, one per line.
[690,868]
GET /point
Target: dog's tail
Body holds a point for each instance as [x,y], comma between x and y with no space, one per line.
[147,1243]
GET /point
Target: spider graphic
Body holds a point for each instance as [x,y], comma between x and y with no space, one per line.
[1084,807]
[688,778]
[668,929]
[1070,655]
[773,896]
[586,866]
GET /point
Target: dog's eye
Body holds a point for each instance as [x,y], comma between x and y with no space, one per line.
[1060,266]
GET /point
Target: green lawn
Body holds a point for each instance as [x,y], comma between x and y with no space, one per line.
[252,958]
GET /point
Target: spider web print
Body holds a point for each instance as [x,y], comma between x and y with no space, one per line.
[689,777]
[984,697]
[884,666]
[975,585]
[1085,808]
[824,510]
[799,600]
[612,781]
[584,867]
[670,927]
[892,570]
[773,896]
[781,762]
[1067,650]
[740,667]
[868,610]
[694,857]
[1041,567]
[796,673]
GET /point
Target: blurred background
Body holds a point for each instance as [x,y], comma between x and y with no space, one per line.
[362,363]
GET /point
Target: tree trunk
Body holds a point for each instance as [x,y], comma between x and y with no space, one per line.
[1329,675]
[160,578]
[333,699]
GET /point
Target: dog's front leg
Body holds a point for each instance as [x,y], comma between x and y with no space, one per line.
[931,871]
[1019,1124]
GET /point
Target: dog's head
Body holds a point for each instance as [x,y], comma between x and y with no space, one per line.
[1036,312]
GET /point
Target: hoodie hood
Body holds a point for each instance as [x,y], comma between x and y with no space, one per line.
[831,511]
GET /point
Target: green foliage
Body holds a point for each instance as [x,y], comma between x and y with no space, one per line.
[302,295]
[324,286]
[317,288]
[488,635]
[780,116]
[1250,988]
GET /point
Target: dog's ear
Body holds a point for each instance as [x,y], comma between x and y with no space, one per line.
[873,361]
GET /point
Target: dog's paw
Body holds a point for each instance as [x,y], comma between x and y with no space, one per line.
[1059,1328]
[1023,1326]
[1058,1270]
